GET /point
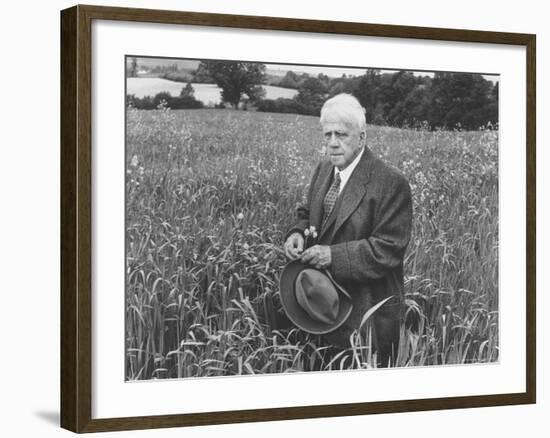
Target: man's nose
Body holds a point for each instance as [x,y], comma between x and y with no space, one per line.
[332,141]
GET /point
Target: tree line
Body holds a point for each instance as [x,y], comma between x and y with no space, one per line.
[444,100]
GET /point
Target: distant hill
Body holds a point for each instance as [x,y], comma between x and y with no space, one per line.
[183,64]
[274,75]
[189,64]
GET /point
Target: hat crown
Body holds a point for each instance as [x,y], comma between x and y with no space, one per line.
[317,295]
[313,311]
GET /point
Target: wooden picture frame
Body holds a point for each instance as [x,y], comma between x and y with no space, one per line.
[76,217]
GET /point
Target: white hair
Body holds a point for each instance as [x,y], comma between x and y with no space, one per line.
[347,108]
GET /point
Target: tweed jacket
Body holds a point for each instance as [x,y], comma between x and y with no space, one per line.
[368,232]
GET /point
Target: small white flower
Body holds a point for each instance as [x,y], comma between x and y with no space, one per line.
[134,161]
[240,216]
[306,232]
[314,234]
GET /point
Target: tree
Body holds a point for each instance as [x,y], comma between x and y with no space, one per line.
[236,79]
[201,75]
[132,73]
[461,99]
[395,93]
[290,80]
[325,80]
[188,91]
[413,109]
[312,93]
[367,93]
[163,96]
[494,103]
[337,88]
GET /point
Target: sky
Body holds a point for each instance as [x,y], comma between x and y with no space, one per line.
[281,69]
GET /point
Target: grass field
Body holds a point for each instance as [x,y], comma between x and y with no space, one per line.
[210,194]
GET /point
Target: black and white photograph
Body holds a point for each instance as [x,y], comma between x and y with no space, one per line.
[291,218]
[275,219]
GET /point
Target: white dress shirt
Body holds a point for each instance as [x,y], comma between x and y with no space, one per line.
[346,173]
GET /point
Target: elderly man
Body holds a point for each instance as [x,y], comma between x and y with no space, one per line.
[361,209]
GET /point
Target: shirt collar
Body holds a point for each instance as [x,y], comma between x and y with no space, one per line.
[346,173]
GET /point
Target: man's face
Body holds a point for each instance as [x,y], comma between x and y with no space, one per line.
[343,141]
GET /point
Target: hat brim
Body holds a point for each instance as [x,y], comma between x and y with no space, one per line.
[294,311]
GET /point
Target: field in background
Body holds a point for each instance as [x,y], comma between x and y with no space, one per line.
[210,194]
[209,94]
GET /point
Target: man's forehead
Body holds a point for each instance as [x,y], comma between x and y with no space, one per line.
[337,124]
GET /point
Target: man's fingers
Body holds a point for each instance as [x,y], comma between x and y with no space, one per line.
[291,255]
[288,251]
[308,256]
[314,256]
[291,250]
[298,245]
[294,247]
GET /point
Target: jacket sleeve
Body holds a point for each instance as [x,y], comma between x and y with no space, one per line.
[372,258]
[303,210]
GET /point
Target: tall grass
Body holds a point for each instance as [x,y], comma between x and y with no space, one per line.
[210,195]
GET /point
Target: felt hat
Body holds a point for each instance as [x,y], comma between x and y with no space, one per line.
[311,298]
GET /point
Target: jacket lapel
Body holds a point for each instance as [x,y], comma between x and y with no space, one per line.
[352,194]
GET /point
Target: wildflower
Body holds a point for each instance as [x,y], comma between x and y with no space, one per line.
[134,161]
[311,231]
[240,216]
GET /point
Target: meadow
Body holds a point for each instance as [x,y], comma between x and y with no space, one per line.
[209,197]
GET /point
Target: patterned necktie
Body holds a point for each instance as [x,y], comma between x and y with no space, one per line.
[331,196]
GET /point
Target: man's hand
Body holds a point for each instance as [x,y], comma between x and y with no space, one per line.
[318,256]
[294,246]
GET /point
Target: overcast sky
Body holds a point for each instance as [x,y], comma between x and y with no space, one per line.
[281,69]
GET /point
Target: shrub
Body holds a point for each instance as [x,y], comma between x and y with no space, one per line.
[282,105]
[172,102]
